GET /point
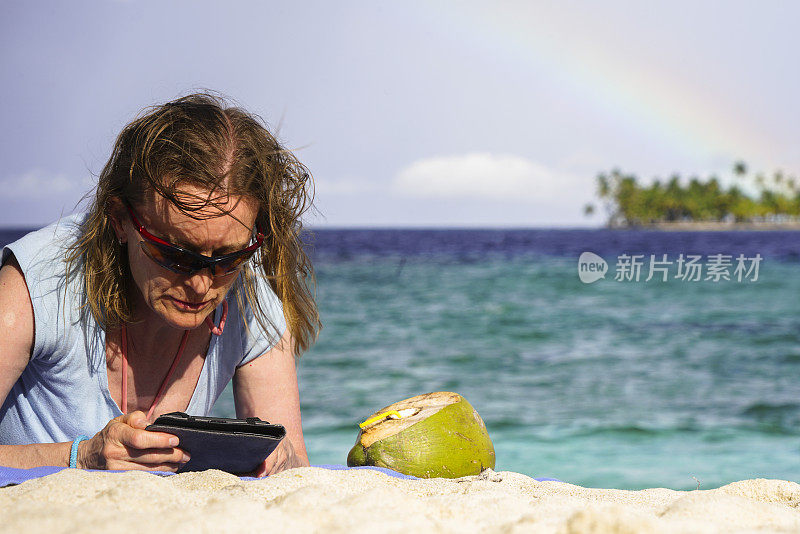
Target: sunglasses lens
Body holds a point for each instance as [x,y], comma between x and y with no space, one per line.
[168,257]
[230,265]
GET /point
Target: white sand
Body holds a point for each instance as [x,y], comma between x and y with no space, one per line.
[319,500]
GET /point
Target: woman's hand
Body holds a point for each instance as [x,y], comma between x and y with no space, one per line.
[281,459]
[125,444]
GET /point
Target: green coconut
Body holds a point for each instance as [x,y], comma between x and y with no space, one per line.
[433,435]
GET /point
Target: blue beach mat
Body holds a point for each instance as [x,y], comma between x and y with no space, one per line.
[12,475]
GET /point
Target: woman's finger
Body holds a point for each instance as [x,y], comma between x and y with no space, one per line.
[135,419]
[157,456]
[142,439]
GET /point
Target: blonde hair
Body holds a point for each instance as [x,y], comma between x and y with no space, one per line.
[198,140]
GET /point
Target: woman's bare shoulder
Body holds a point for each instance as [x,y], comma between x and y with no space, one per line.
[16,315]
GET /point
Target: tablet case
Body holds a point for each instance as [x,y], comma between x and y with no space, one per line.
[234,445]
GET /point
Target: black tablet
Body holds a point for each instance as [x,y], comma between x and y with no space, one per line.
[237,446]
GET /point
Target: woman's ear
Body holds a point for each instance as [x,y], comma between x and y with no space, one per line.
[115,211]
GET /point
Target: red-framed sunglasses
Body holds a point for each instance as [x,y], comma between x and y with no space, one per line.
[182,261]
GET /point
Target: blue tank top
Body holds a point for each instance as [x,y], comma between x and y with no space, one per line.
[63,391]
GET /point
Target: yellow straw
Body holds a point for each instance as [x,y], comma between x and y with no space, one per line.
[379,417]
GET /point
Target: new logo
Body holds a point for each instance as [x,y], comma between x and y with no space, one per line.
[591,267]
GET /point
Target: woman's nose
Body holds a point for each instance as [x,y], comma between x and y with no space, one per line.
[200,281]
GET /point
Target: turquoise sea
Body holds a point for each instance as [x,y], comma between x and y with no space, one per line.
[619,384]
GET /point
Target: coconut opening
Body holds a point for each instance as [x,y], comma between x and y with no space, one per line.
[411,411]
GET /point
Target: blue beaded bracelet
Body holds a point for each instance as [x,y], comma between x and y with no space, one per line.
[73,453]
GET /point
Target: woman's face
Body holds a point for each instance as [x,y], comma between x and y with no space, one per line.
[183,301]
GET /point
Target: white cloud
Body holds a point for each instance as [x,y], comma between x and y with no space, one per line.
[38,184]
[483,175]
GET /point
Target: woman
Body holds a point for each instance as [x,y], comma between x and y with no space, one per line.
[186,272]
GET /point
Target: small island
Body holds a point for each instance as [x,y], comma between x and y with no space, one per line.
[751,203]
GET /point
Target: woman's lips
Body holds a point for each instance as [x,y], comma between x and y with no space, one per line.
[189,306]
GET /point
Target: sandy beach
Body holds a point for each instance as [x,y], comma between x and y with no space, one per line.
[320,500]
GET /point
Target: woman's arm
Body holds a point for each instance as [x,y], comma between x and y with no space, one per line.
[16,346]
[122,444]
[266,387]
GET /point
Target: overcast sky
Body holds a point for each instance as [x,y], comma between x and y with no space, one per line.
[411,113]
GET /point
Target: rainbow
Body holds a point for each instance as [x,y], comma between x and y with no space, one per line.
[642,95]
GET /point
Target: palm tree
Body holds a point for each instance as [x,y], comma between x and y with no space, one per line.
[630,203]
